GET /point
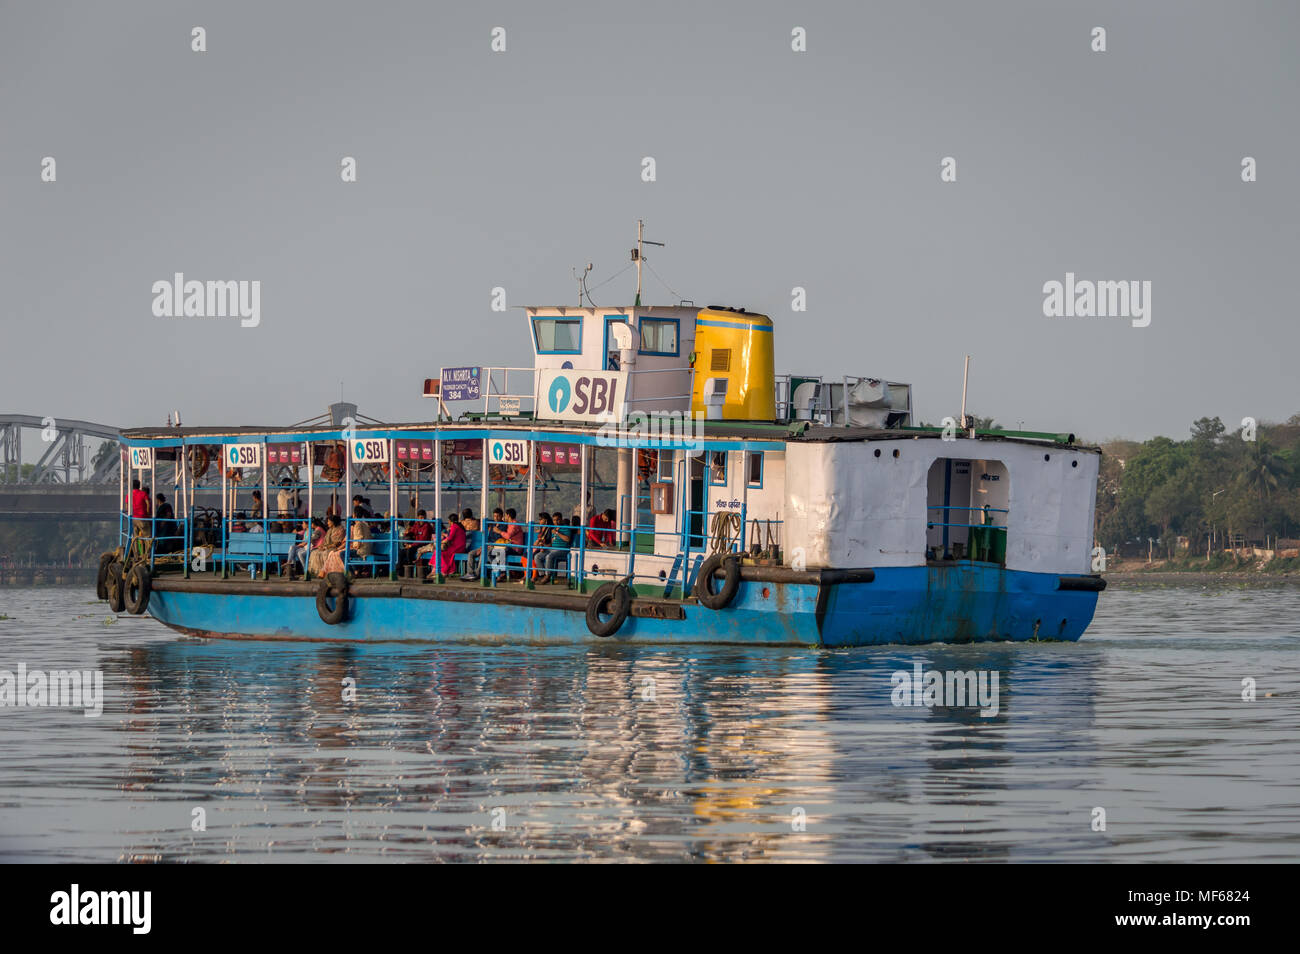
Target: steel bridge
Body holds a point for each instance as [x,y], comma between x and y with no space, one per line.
[64,483]
[64,442]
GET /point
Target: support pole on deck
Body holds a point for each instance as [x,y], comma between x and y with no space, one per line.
[225,513]
[392,509]
[186,536]
[582,520]
[266,509]
[308,455]
[437,509]
[346,506]
[530,552]
[483,511]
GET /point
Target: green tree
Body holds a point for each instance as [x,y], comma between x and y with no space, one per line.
[1263,471]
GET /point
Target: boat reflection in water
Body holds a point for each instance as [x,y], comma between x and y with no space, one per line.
[467,753]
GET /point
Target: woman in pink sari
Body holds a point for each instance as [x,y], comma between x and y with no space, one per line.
[453,542]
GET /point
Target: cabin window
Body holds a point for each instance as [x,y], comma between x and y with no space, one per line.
[558,335]
[754,469]
[967,510]
[718,468]
[659,336]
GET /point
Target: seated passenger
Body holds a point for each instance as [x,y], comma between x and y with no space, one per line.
[453,543]
[360,542]
[541,542]
[509,541]
[490,535]
[599,534]
[326,557]
[420,533]
[561,539]
[469,521]
[297,561]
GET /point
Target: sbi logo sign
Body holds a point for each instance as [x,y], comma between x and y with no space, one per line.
[508,452]
[360,450]
[584,396]
[245,455]
[559,395]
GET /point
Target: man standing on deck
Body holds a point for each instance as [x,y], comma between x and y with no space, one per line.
[286,501]
[139,510]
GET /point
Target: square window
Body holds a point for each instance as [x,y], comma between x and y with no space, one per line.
[718,468]
[659,336]
[558,335]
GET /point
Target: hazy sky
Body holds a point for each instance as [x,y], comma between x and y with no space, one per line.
[775,169]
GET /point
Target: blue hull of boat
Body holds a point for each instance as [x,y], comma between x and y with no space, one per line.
[950,604]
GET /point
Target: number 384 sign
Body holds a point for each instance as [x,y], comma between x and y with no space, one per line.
[372,450]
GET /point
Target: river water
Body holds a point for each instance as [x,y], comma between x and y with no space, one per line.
[1134,744]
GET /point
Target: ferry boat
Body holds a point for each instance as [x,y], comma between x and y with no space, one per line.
[748,506]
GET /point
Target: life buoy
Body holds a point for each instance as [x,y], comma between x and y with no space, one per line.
[234,475]
[332,469]
[704,591]
[199,461]
[615,599]
[647,463]
[334,585]
[136,589]
[113,586]
[403,470]
[101,579]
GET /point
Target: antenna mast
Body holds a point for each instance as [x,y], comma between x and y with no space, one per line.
[965,378]
[638,256]
[582,283]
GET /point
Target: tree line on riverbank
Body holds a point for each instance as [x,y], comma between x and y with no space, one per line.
[1216,488]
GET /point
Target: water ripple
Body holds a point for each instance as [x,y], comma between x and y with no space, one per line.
[660,754]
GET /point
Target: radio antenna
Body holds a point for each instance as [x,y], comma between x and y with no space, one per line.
[582,284]
[638,256]
[965,378]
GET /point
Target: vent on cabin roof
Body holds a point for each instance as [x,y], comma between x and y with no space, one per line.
[720,360]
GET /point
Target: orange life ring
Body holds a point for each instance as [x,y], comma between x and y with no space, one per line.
[647,462]
[332,469]
[403,469]
[197,470]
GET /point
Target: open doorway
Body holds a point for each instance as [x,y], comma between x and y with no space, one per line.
[966,511]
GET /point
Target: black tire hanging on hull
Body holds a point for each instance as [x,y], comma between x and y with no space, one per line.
[101,579]
[704,591]
[334,585]
[616,600]
[114,587]
[136,589]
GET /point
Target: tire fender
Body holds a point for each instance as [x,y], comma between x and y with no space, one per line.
[614,599]
[114,587]
[101,579]
[704,592]
[334,585]
[136,589]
